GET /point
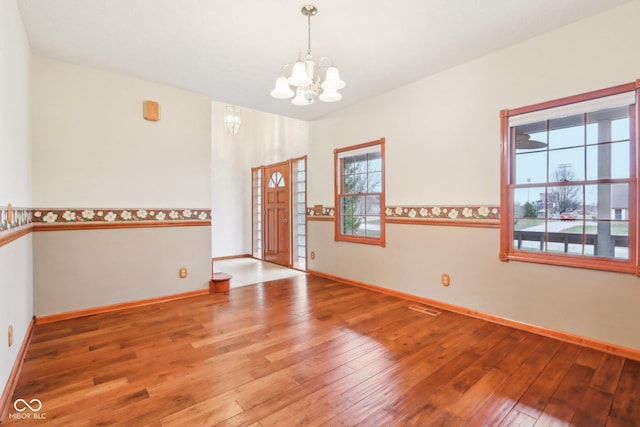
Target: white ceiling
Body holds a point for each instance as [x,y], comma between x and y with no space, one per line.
[233,50]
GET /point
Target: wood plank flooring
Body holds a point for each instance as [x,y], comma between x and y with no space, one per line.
[313,352]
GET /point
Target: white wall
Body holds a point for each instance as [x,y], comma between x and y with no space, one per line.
[93,149]
[442,147]
[16,283]
[263,139]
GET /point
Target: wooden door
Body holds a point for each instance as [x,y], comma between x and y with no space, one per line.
[277,221]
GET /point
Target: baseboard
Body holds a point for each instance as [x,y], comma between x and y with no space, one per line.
[222,258]
[614,349]
[116,307]
[5,399]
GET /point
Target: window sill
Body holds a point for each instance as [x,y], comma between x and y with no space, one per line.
[592,263]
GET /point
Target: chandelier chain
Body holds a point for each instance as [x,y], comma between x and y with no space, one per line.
[309,34]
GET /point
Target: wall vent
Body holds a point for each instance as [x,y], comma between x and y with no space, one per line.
[424,310]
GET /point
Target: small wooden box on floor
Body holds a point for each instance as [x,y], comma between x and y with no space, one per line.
[219,283]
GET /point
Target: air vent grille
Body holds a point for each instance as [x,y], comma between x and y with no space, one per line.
[424,310]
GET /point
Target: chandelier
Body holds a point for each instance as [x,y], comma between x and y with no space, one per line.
[304,81]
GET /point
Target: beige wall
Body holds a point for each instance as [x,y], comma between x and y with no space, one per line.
[84,269]
[16,293]
[93,149]
[442,147]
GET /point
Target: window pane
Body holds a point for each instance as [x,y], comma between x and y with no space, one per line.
[566,132]
[359,226]
[566,165]
[346,224]
[348,184]
[531,167]
[531,136]
[372,226]
[347,205]
[608,161]
[565,199]
[529,234]
[374,162]
[360,163]
[347,165]
[374,182]
[372,205]
[606,201]
[529,202]
[609,239]
[360,183]
[608,125]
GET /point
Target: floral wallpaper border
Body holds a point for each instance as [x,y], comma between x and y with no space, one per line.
[324,212]
[486,212]
[132,215]
[21,216]
[447,213]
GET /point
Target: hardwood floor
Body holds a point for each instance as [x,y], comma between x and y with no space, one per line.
[310,351]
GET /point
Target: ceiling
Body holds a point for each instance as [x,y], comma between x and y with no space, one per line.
[233,50]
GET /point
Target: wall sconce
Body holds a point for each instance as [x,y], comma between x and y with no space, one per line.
[232,119]
[151,111]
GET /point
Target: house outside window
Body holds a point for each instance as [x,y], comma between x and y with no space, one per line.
[569,184]
[359,193]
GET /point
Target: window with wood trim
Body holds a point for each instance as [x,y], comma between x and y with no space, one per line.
[359,193]
[569,181]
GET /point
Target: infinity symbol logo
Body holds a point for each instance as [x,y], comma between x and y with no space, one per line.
[35,408]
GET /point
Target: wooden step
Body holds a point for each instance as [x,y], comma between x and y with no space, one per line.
[219,283]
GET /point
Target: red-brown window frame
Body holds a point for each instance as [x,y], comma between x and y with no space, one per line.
[507,252]
[380,241]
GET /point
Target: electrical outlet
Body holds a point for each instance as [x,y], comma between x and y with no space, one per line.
[446,279]
[313,255]
[182,272]
[10,335]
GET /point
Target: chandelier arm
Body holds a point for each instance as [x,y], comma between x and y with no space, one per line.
[326,59]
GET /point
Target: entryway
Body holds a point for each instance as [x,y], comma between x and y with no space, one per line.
[249,271]
[279,213]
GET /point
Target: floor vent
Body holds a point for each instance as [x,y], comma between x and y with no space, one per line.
[424,310]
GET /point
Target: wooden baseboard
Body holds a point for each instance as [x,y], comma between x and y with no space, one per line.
[614,349]
[222,258]
[116,307]
[5,399]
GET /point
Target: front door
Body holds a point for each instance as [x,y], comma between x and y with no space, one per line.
[277,228]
